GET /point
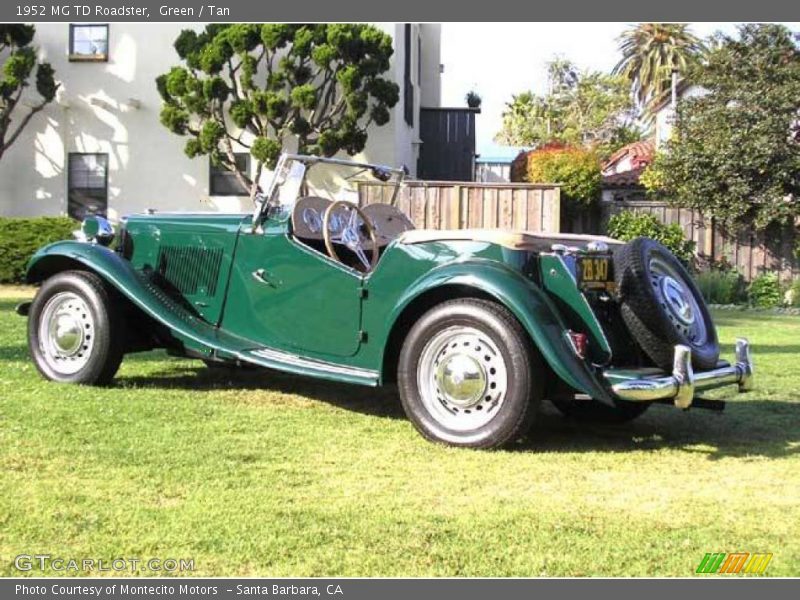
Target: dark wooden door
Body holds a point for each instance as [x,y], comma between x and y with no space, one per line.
[448,144]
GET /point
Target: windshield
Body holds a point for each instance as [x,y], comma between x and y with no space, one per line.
[298,176]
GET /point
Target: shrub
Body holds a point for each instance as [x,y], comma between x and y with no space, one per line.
[576,169]
[721,286]
[765,291]
[628,225]
[21,237]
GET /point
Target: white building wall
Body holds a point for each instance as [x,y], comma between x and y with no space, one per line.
[113,107]
[397,143]
[431,76]
[665,116]
[95,113]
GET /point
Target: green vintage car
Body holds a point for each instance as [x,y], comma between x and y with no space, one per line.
[475,327]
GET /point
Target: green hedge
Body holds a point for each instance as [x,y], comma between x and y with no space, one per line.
[631,224]
[21,237]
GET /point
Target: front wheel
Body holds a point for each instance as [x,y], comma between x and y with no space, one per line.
[468,376]
[75,330]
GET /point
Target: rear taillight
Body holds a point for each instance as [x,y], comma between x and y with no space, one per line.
[579,342]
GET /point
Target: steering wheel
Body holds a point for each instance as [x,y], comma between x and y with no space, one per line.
[350,234]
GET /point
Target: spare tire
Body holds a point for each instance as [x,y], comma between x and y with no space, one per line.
[662,306]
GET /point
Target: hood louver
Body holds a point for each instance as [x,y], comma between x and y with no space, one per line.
[191,270]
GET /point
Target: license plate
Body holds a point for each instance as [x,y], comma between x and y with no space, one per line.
[595,273]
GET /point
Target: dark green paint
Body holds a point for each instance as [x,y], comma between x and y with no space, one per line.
[399,281]
[151,233]
[314,316]
[561,284]
[298,300]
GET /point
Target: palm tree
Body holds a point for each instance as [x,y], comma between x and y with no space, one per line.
[651,51]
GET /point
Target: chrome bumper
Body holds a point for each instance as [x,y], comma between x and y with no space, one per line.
[647,385]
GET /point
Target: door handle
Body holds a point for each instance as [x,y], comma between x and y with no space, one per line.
[262,276]
[259,276]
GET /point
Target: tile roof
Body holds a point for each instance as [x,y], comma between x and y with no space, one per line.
[623,180]
[640,153]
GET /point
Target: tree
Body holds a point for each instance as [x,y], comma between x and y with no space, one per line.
[19,62]
[580,108]
[735,150]
[650,52]
[262,86]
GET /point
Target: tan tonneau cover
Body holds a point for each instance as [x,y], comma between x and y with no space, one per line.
[515,240]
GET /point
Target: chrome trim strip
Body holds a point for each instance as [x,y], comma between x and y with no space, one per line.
[308,363]
[682,384]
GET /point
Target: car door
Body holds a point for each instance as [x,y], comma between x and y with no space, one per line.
[285,295]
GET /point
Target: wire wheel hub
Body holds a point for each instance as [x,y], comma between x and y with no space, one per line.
[678,301]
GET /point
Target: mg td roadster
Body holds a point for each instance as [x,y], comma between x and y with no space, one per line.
[475,327]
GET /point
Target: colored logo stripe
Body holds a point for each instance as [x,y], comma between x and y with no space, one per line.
[758,563]
[710,562]
[737,562]
[734,562]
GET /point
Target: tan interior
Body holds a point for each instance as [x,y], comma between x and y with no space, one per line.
[515,240]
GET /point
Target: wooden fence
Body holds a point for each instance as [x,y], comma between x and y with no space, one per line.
[751,252]
[534,207]
[465,205]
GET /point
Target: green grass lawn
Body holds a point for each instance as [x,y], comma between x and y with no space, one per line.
[257,473]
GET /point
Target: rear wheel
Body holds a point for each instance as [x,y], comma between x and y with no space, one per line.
[75,330]
[468,376]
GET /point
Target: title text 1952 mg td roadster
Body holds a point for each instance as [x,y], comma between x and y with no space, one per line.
[476,327]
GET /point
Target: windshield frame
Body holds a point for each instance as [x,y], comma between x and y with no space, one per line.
[270,200]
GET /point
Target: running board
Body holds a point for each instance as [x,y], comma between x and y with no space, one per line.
[292,363]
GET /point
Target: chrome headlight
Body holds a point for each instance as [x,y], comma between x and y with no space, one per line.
[97,229]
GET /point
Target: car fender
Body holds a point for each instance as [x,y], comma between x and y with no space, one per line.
[68,254]
[526,301]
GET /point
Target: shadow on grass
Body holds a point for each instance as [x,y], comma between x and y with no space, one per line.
[10,304]
[380,402]
[749,428]
[754,428]
[767,349]
[15,352]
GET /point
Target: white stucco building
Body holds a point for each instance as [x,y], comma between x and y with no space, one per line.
[100,144]
[665,111]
